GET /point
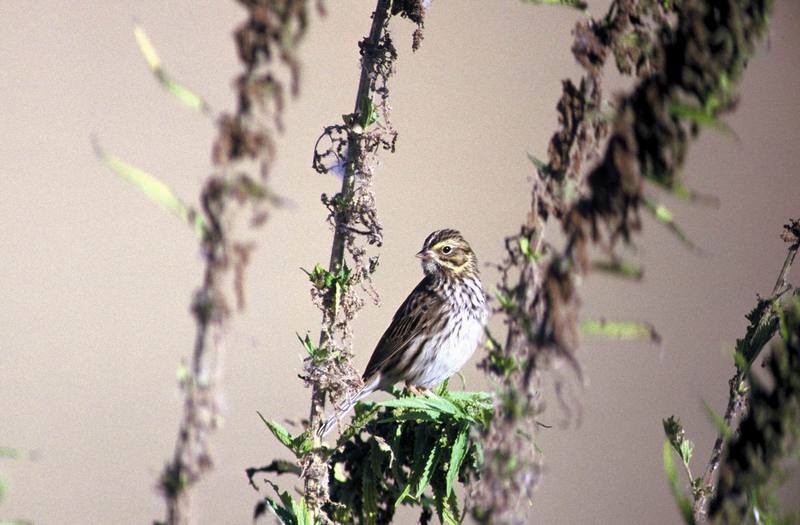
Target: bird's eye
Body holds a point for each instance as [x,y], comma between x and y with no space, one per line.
[446,250]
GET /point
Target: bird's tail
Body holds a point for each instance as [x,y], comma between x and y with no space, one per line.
[331,422]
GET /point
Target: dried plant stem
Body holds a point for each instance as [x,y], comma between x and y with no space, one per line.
[191,457]
[737,401]
[271,29]
[354,146]
[316,471]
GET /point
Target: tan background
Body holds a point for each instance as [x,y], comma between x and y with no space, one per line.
[96,280]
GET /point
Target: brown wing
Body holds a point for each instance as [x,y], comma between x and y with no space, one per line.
[415,316]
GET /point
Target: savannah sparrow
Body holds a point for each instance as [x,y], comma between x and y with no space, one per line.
[435,330]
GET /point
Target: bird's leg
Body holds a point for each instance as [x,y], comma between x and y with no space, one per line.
[418,391]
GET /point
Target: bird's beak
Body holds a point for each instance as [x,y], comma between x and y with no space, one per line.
[425,254]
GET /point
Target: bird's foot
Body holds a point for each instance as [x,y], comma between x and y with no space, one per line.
[419,391]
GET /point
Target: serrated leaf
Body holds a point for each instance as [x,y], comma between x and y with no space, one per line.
[763,326]
[428,404]
[280,433]
[153,189]
[465,395]
[450,512]
[673,430]
[364,412]
[427,469]
[372,475]
[415,415]
[423,458]
[627,330]
[285,510]
[457,453]
[302,444]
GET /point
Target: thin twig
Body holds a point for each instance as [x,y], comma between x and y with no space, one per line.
[737,402]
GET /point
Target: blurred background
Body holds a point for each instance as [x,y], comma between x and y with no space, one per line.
[96,280]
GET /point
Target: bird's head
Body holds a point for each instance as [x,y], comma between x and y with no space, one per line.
[445,252]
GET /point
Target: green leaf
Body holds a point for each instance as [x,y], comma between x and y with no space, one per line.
[686,451]
[279,431]
[763,325]
[146,48]
[427,404]
[183,375]
[9,453]
[525,246]
[339,472]
[289,511]
[427,469]
[403,494]
[505,301]
[664,216]
[424,458]
[541,165]
[370,115]
[620,268]
[364,412]
[182,93]
[372,475]
[672,475]
[472,397]
[299,444]
[154,189]
[308,344]
[449,513]
[673,430]
[457,454]
[684,193]
[627,330]
[574,4]
[699,116]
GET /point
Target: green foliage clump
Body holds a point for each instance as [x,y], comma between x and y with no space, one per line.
[411,451]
